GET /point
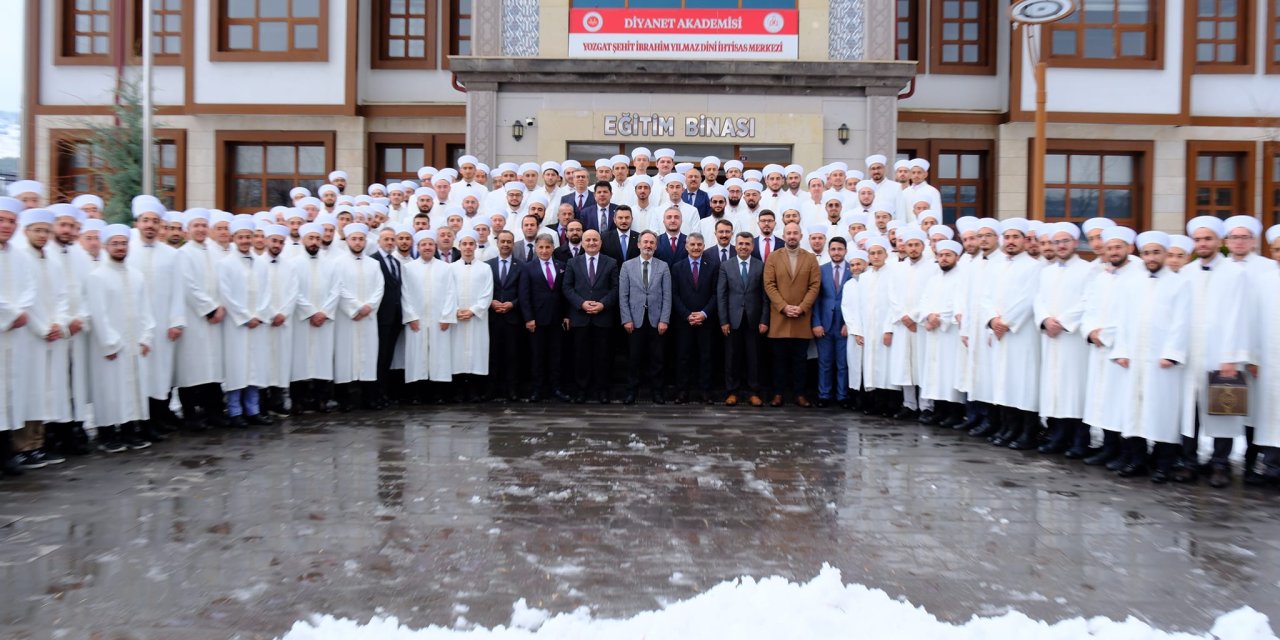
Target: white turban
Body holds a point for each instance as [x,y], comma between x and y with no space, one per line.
[988,223]
[1212,223]
[641,151]
[865,184]
[733,164]
[277,230]
[1248,222]
[552,165]
[911,232]
[919,163]
[931,214]
[25,186]
[424,191]
[93,225]
[1015,224]
[1153,237]
[965,224]
[878,241]
[147,204]
[876,159]
[337,175]
[327,188]
[529,166]
[901,164]
[770,169]
[35,216]
[710,161]
[620,159]
[356,228]
[672,178]
[856,254]
[309,228]
[816,228]
[1118,232]
[684,167]
[114,231]
[663,153]
[423,172]
[793,168]
[941,230]
[1179,241]
[63,210]
[1068,228]
[84,199]
[299,192]
[425,234]
[753,186]
[243,223]
[949,245]
[838,166]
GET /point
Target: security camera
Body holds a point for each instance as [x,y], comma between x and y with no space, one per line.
[528,122]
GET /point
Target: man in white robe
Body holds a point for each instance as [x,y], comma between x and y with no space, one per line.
[908,280]
[473,282]
[974,378]
[1064,354]
[282,285]
[158,263]
[858,261]
[1151,346]
[917,191]
[243,292]
[868,326]
[940,336]
[1265,353]
[123,330]
[316,307]
[17,295]
[360,286]
[1243,233]
[430,307]
[69,438]
[199,373]
[1006,316]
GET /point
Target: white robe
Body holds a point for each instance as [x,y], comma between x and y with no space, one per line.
[1216,298]
[975,379]
[243,290]
[200,348]
[316,280]
[355,353]
[1265,353]
[45,381]
[1105,391]
[1064,359]
[941,350]
[17,295]
[474,286]
[853,352]
[118,305]
[907,282]
[76,266]
[1153,327]
[158,264]
[397,356]
[429,297]
[909,196]
[282,283]
[870,322]
[1015,358]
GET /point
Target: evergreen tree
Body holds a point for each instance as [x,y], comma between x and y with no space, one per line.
[120,148]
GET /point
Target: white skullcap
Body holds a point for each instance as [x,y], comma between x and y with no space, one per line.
[277,230]
[877,241]
[309,228]
[718,190]
[243,223]
[395,186]
[949,245]
[375,185]
[295,212]
[465,234]
[1153,237]
[770,169]
[753,186]
[864,184]
[672,178]
[571,164]
[856,254]
[752,175]
[83,199]
[299,192]
[1015,224]
[1212,223]
[1179,241]
[1097,223]
[735,182]
[988,223]
[910,232]
[467,159]
[710,161]
[793,168]
[337,174]
[941,230]
[482,168]
[855,175]
[838,166]
[539,198]
[1247,222]
[114,231]
[732,164]
[816,228]
[327,188]
[862,236]
[603,163]
[642,179]
[529,166]
[93,225]
[514,185]
[425,234]
[1068,228]
[147,204]
[684,167]
[552,165]
[641,151]
[901,164]
[1272,234]
[63,210]
[423,172]
[965,224]
[930,213]
[35,216]
[424,191]
[664,153]
[356,228]
[861,218]
[876,159]
[619,159]
[1124,234]
[12,205]
[920,163]
[25,186]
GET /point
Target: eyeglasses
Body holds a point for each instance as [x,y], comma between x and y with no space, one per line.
[1240,237]
[1061,243]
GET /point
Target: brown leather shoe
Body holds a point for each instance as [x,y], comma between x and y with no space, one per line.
[801,401]
[731,401]
[756,401]
[776,401]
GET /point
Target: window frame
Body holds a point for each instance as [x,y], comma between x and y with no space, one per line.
[1247,161]
[59,139]
[378,60]
[1270,183]
[915,29]
[435,150]
[217,42]
[224,191]
[1155,36]
[986,21]
[1245,38]
[64,49]
[930,149]
[1271,56]
[64,14]
[449,35]
[1143,174]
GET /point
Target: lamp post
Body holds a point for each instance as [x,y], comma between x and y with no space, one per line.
[1030,15]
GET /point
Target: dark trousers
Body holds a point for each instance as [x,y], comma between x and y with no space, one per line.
[1221,448]
[310,394]
[742,359]
[544,349]
[591,348]
[693,349]
[645,357]
[205,396]
[789,365]
[388,334]
[504,356]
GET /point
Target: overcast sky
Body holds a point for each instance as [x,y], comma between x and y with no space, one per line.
[11,34]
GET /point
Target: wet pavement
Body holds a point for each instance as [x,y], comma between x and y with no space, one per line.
[436,514]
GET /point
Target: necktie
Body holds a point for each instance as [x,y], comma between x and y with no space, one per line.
[563,239]
[768,246]
[395,266]
[743,265]
[604,219]
[551,280]
[622,241]
[528,254]
[645,275]
[582,200]
[502,272]
[837,272]
[724,254]
[673,246]
[695,273]
[591,270]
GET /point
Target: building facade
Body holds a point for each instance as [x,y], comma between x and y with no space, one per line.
[1158,110]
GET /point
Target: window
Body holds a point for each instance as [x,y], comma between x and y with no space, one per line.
[1097,178]
[78,166]
[86,31]
[1219,178]
[1273,37]
[406,34]
[398,156]
[906,30]
[961,170]
[1271,182]
[88,26]
[960,41]
[1108,33]
[282,30]
[166,28]
[258,168]
[460,27]
[1221,36]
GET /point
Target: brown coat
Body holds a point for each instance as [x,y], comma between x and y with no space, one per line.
[786,288]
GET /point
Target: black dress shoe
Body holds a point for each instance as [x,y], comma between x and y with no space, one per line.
[1132,470]
[929,417]
[1116,465]
[260,420]
[906,414]
[821,403]
[562,396]
[216,422]
[1103,456]
[630,398]
[1253,478]
[1074,454]
[1160,476]
[237,422]
[194,426]
[1220,477]
[1024,443]
[983,430]
[11,466]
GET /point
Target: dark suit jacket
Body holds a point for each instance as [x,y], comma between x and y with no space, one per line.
[538,302]
[759,247]
[664,253]
[612,248]
[508,290]
[700,201]
[686,297]
[734,302]
[554,228]
[562,254]
[712,252]
[578,289]
[590,217]
[827,312]
[572,198]
[454,252]
[389,312]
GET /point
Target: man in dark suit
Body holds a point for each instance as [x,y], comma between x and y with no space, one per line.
[693,195]
[541,305]
[671,245]
[693,302]
[505,341]
[621,244]
[744,317]
[581,196]
[572,248]
[445,251]
[390,319]
[828,319]
[599,214]
[591,287]
[560,227]
[766,243]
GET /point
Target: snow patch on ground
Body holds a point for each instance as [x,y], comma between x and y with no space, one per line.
[746,609]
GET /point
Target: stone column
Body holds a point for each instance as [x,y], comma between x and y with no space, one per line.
[486,24]
[482,109]
[878,30]
[882,121]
